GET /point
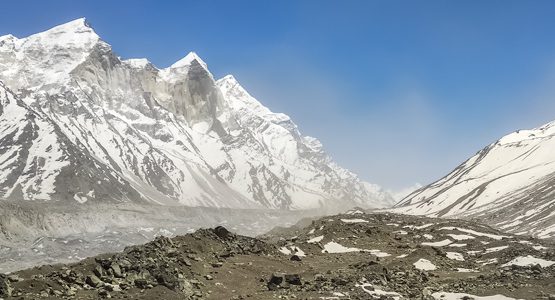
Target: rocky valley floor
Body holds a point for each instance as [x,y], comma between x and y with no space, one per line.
[355,255]
[33,234]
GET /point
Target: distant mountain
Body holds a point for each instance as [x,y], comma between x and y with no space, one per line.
[79,124]
[510,184]
[398,195]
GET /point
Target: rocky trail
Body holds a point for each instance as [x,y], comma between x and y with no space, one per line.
[355,255]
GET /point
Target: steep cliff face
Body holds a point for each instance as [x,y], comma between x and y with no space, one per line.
[81,124]
[509,184]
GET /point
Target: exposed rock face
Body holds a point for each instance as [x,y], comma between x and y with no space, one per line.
[510,184]
[81,124]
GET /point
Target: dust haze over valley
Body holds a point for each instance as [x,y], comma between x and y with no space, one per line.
[101,153]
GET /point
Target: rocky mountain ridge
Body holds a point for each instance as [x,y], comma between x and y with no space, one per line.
[81,124]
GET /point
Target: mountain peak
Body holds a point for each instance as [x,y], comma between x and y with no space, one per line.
[229,79]
[75,24]
[72,31]
[546,130]
[7,37]
[76,34]
[187,60]
[46,57]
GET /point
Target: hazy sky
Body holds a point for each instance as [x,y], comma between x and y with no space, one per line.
[398,91]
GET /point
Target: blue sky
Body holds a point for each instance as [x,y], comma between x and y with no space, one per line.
[398,91]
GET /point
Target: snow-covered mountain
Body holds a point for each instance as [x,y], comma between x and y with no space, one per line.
[509,184]
[79,124]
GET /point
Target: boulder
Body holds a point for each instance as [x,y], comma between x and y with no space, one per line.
[222,232]
[295,258]
[93,281]
[294,279]
[116,270]
[275,281]
[5,288]
[280,280]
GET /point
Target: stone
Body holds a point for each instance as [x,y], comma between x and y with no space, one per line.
[104,294]
[93,281]
[272,286]
[295,258]
[99,271]
[222,232]
[275,281]
[5,288]
[124,264]
[439,251]
[186,262]
[116,270]
[193,257]
[537,267]
[14,278]
[185,287]
[103,262]
[339,281]
[319,277]
[294,279]
[112,287]
[141,283]
[277,278]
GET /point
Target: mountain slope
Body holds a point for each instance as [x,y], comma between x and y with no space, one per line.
[37,159]
[509,184]
[125,130]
